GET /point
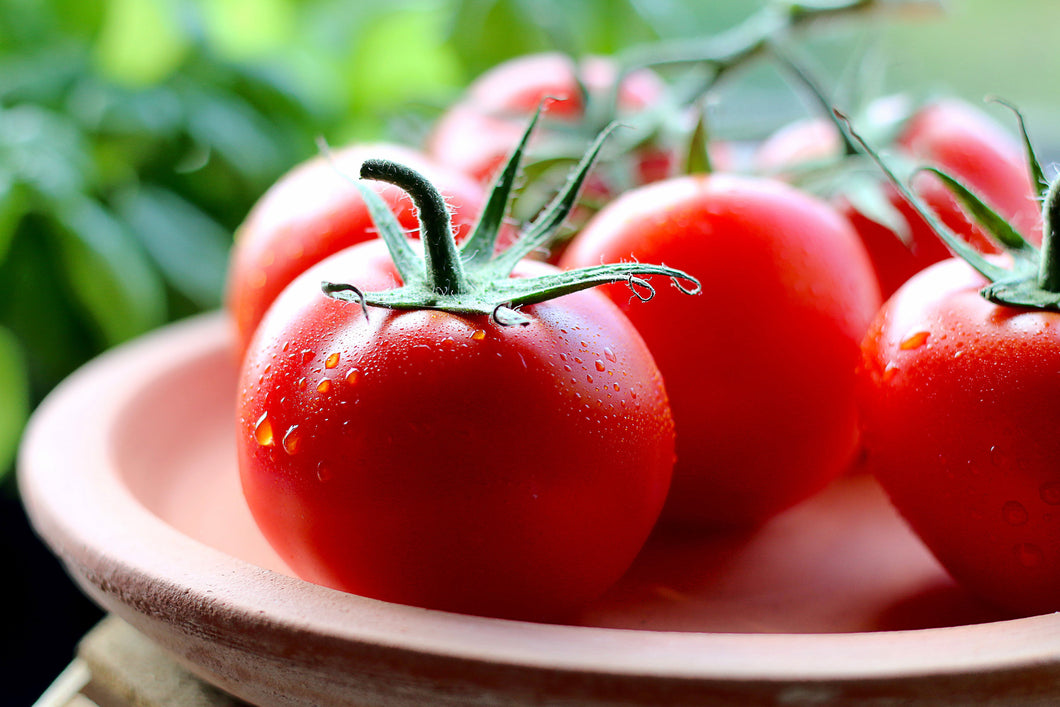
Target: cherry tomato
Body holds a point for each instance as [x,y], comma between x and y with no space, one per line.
[314,211]
[477,133]
[760,369]
[959,418]
[444,460]
[949,134]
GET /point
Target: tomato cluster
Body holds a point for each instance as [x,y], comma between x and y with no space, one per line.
[448,424]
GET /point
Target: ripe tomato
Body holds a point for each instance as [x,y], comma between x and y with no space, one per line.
[476,134]
[949,134]
[314,211]
[760,370]
[959,419]
[444,460]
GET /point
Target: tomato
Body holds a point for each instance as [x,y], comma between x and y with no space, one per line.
[476,134]
[440,433]
[949,134]
[314,211]
[446,461]
[760,370]
[959,418]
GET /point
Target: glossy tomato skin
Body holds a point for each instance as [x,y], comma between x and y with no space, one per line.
[760,368]
[314,211]
[949,134]
[446,461]
[958,400]
[477,133]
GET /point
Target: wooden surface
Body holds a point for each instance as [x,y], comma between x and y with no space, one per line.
[832,603]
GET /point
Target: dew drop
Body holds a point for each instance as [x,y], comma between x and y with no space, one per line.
[301,383]
[632,393]
[286,345]
[307,356]
[600,366]
[332,360]
[610,355]
[567,368]
[589,378]
[914,341]
[617,387]
[263,431]
[478,335]
[292,440]
[585,344]
[890,372]
[1028,554]
[577,360]
[352,375]
[1050,493]
[1014,513]
[324,386]
[323,473]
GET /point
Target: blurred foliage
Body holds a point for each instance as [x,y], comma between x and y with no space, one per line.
[136,134]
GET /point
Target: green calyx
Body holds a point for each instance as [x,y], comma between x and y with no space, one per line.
[1033,278]
[473,278]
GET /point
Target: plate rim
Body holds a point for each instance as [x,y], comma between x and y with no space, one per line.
[99,556]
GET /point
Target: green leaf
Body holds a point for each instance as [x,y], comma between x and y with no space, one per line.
[107,271]
[186,245]
[14,202]
[14,398]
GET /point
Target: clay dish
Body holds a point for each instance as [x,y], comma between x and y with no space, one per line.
[128,473]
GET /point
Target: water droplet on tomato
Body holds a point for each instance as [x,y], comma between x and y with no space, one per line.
[567,368]
[263,431]
[1050,493]
[332,360]
[323,473]
[307,356]
[997,457]
[352,375]
[301,383]
[324,386]
[589,378]
[914,341]
[610,355]
[478,335]
[1028,554]
[1014,513]
[292,441]
[600,366]
[632,393]
[889,372]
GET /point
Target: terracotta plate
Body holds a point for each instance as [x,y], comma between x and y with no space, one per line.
[128,472]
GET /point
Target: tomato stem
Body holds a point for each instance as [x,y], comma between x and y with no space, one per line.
[1049,268]
[442,265]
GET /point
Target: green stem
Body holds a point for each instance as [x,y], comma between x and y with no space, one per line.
[1049,269]
[443,268]
[803,75]
[751,37]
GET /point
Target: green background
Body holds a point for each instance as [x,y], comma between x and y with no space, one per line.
[136,134]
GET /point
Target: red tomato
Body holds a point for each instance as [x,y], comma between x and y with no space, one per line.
[949,134]
[476,134]
[760,369]
[958,400]
[446,461]
[313,212]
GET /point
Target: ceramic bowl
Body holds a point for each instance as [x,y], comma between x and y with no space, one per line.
[128,472]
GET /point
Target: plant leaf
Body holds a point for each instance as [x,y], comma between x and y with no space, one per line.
[186,245]
[14,398]
[107,271]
